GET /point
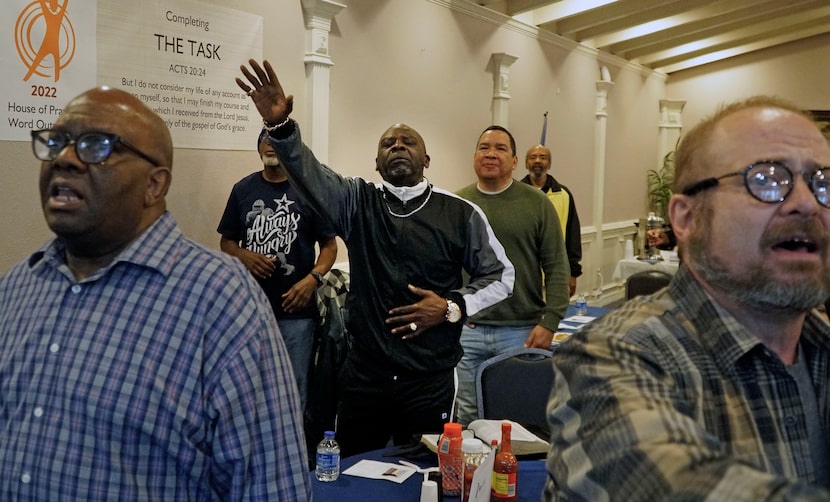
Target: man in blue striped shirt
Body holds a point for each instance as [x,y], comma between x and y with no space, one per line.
[134,363]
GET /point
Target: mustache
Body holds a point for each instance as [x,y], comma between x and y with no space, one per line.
[805,228]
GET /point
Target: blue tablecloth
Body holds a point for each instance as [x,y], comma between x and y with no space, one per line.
[532,476]
[570,327]
[592,311]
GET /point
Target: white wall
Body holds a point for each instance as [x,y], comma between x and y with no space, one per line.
[797,71]
[425,63]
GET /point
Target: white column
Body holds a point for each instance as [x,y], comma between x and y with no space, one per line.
[318,15]
[500,66]
[600,128]
[669,128]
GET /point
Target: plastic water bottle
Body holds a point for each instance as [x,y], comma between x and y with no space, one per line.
[581,305]
[449,459]
[328,458]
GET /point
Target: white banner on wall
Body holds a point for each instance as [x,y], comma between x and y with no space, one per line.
[47,56]
[180,58]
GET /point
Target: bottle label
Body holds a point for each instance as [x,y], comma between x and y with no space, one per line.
[504,485]
[328,460]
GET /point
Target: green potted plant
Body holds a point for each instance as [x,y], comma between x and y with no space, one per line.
[659,187]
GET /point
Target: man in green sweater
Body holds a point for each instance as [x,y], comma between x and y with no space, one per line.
[527,225]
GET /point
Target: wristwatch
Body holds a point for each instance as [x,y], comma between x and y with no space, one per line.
[453,311]
[317,277]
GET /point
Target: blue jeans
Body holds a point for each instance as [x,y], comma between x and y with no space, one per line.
[298,335]
[481,343]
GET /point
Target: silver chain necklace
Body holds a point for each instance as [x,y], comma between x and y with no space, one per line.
[407,215]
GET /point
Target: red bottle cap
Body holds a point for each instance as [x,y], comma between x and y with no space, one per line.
[452,429]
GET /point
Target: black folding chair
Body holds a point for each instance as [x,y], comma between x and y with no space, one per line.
[516,386]
[646,283]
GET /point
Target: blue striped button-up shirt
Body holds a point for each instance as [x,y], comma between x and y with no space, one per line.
[160,377]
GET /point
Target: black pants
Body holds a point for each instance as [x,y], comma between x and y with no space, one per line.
[375,407]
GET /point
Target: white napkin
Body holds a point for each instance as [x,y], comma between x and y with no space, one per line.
[578,319]
[373,469]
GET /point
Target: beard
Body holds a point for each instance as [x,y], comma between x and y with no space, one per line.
[270,161]
[537,171]
[756,285]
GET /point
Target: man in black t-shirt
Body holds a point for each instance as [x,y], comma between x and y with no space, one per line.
[270,229]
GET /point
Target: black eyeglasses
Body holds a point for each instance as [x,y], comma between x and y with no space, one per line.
[90,147]
[771,181]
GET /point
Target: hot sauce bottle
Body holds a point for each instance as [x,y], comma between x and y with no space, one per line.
[505,470]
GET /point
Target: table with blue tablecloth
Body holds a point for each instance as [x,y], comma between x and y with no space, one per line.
[572,322]
[532,473]
[532,476]
[592,312]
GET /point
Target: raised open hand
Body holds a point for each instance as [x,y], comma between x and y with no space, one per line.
[265,90]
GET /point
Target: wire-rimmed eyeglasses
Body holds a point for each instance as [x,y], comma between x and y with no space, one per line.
[771,181]
[93,147]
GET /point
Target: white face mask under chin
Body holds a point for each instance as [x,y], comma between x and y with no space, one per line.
[406,193]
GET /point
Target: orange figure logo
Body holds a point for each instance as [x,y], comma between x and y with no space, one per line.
[43,29]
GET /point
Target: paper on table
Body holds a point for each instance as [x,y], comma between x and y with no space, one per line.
[560,337]
[482,478]
[562,325]
[579,319]
[373,469]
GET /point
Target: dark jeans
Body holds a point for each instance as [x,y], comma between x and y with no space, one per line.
[374,407]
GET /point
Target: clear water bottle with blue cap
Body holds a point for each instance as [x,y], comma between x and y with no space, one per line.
[328,458]
[581,304]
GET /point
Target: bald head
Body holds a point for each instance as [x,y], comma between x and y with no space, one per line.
[402,156]
[131,119]
[693,158]
[538,150]
[537,162]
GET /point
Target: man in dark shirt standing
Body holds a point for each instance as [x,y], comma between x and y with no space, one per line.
[537,162]
[408,243]
[269,228]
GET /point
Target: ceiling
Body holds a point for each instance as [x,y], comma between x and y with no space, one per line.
[673,35]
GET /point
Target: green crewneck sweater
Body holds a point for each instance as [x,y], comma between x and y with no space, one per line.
[527,225]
